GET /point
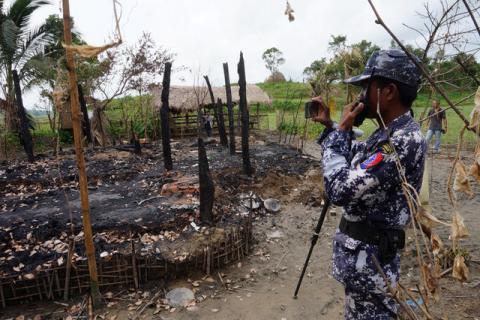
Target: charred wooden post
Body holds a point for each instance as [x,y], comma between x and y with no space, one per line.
[87,131]
[25,125]
[164,113]
[231,122]
[214,106]
[221,123]
[77,133]
[137,147]
[207,188]
[242,82]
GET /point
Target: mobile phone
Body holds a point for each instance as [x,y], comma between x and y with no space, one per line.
[311,109]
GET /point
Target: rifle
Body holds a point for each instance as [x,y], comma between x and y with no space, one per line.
[314,240]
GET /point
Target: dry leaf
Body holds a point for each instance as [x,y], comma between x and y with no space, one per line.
[475,168]
[460,269]
[289,12]
[428,220]
[461,182]
[437,244]
[459,230]
[475,171]
[29,276]
[475,114]
[431,278]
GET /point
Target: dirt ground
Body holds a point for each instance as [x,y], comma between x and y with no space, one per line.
[262,286]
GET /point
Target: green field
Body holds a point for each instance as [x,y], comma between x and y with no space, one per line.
[288,97]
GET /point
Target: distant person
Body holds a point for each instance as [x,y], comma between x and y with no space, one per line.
[438,125]
[207,123]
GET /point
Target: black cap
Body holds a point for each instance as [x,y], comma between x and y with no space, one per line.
[391,64]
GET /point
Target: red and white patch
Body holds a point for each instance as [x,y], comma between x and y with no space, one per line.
[372,161]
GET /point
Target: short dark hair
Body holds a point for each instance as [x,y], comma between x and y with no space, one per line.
[407,93]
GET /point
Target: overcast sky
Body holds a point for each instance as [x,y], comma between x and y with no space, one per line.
[204,34]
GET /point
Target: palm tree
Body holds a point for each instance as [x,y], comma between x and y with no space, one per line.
[19,44]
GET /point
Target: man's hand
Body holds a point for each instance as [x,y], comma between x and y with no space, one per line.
[350,112]
[323,114]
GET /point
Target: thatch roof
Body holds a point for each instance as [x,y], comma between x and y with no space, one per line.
[184,99]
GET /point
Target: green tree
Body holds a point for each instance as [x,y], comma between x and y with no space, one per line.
[273,59]
[338,44]
[18,45]
[320,75]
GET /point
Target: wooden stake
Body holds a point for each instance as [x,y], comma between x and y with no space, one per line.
[304,136]
[164,113]
[87,131]
[71,247]
[2,296]
[242,82]
[221,123]
[77,135]
[231,122]
[207,188]
[134,266]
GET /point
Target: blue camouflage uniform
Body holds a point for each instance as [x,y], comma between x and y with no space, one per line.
[362,177]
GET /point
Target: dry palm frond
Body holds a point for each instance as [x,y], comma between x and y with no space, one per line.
[88,51]
[460,269]
[461,182]
[289,12]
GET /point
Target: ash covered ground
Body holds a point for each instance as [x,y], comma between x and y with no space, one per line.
[130,196]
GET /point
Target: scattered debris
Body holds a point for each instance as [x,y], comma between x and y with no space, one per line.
[272,205]
[180,297]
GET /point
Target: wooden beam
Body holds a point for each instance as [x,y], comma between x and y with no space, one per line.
[77,135]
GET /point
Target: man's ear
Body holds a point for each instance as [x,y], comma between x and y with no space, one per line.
[391,91]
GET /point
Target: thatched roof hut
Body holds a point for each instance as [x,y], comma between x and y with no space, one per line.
[186,99]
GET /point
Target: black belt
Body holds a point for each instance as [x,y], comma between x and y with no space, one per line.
[388,240]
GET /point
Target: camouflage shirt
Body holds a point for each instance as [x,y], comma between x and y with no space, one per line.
[362,177]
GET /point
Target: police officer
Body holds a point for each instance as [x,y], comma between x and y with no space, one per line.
[363,178]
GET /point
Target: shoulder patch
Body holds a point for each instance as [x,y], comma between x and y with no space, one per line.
[385,148]
[372,161]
